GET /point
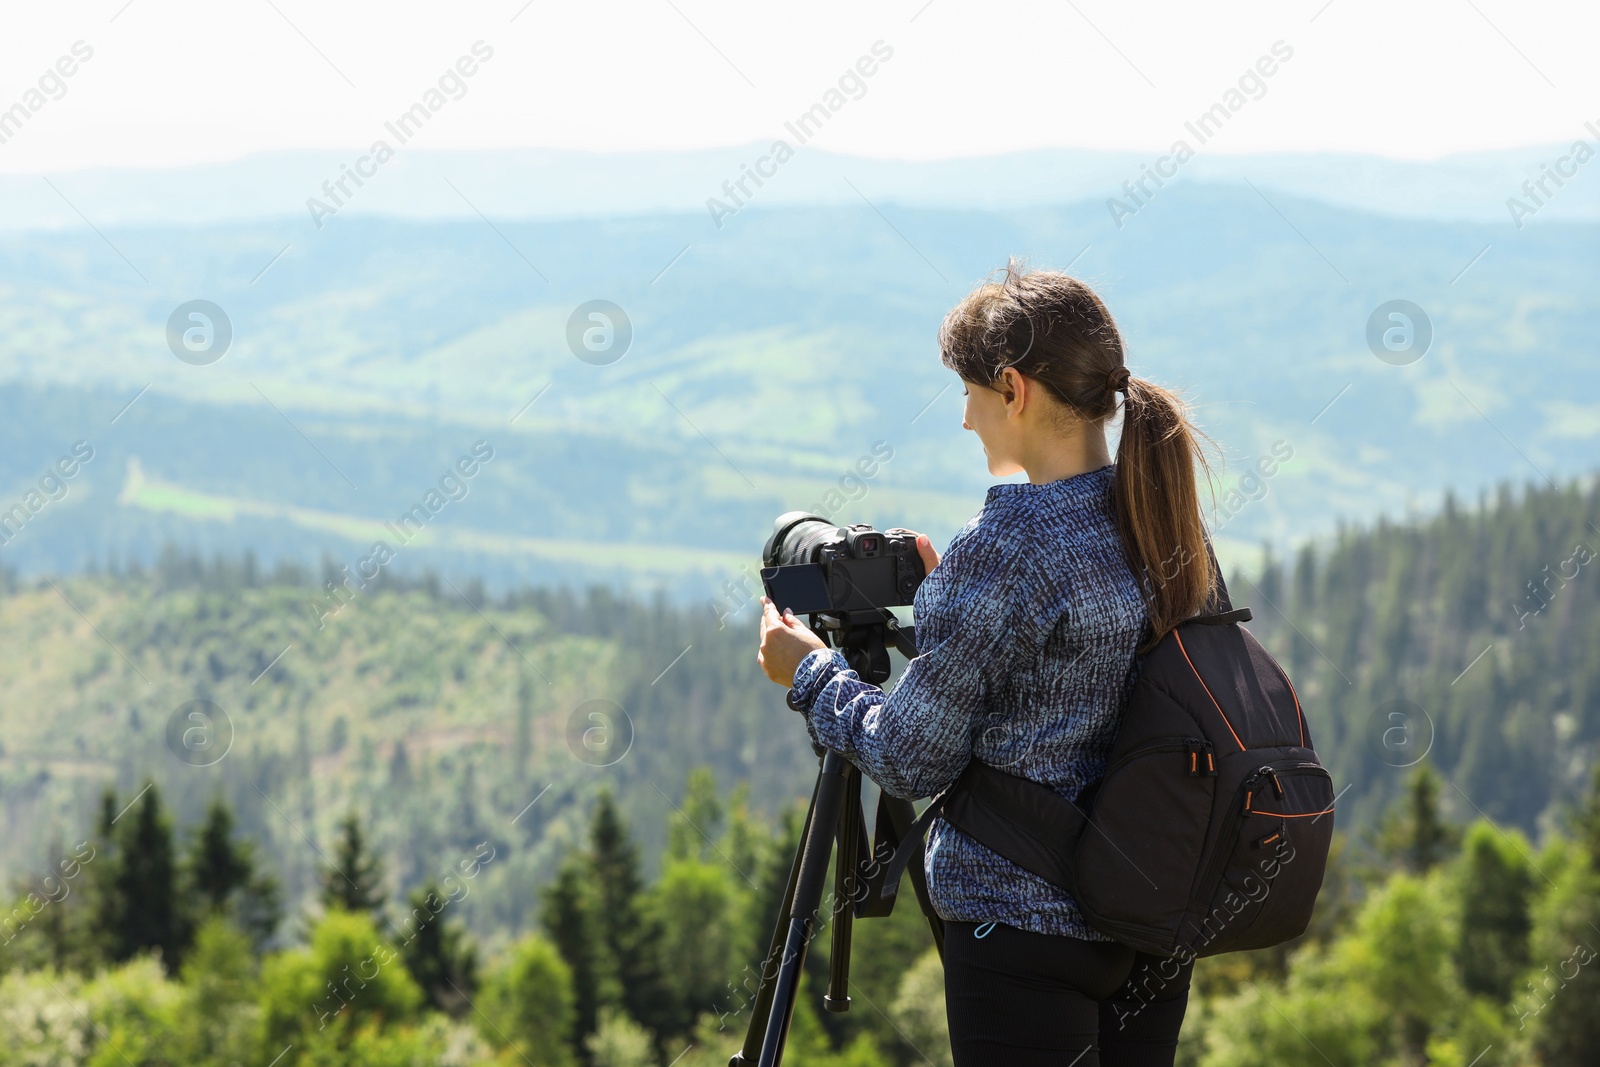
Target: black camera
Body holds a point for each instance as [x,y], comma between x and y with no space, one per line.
[811,565]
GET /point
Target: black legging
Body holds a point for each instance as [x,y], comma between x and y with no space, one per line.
[1020,999]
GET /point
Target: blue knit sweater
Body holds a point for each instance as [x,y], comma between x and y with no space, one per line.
[1027,633]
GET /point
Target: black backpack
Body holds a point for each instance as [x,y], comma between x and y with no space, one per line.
[1210,830]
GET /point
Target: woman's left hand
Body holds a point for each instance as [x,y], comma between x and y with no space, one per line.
[785,641]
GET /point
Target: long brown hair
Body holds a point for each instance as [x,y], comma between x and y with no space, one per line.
[1055,330]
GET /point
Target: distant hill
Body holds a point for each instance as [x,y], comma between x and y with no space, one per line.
[767,360]
[549,184]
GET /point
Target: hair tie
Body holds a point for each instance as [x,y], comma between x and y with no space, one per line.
[1117,380]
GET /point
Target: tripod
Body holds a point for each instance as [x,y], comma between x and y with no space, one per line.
[834,818]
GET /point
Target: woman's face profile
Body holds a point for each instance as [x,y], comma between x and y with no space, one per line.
[987,415]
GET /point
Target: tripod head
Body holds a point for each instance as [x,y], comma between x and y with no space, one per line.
[863,638]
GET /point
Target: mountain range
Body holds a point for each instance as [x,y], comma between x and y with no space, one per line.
[764,358]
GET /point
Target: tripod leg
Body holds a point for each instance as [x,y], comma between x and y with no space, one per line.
[846,887]
[813,872]
[762,1007]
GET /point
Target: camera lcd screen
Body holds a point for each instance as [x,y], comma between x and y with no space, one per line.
[801,588]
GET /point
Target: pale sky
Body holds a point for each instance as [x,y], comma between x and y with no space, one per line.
[174,82]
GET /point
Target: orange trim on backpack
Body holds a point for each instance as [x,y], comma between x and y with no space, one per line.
[1207,688]
[1292,815]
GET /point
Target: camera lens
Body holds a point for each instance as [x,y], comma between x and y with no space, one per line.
[798,538]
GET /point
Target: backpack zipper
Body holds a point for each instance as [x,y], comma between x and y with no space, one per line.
[1248,788]
[1206,886]
[1151,748]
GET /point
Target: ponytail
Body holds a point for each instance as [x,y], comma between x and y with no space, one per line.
[1157,505]
[1056,330]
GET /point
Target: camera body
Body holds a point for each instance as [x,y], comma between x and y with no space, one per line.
[811,565]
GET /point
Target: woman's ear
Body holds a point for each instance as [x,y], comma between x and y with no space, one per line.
[1013,389]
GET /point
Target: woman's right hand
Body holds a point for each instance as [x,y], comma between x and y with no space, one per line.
[929,554]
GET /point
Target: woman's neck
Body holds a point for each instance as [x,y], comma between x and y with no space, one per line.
[1064,457]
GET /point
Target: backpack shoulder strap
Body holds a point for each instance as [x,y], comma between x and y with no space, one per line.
[1025,822]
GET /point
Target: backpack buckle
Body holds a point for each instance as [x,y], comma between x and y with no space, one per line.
[1202,759]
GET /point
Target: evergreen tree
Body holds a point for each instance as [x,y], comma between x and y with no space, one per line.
[1431,838]
[631,934]
[597,916]
[569,913]
[1415,834]
[1301,650]
[141,908]
[217,868]
[354,881]
[439,953]
[224,878]
[100,891]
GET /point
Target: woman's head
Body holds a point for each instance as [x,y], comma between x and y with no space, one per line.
[1045,339]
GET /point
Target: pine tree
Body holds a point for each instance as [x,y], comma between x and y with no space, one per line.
[438,952]
[1415,833]
[102,899]
[631,933]
[569,914]
[354,881]
[1431,838]
[217,868]
[596,915]
[141,908]
[224,878]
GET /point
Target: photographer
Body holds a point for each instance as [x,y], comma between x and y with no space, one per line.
[1029,631]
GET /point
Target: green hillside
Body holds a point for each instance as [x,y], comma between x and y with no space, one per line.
[1471,637]
[767,358]
[440,712]
[436,713]
[458,726]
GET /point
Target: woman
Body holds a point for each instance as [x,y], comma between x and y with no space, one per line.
[1030,631]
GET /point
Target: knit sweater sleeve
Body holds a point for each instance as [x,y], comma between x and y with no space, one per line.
[982,611]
